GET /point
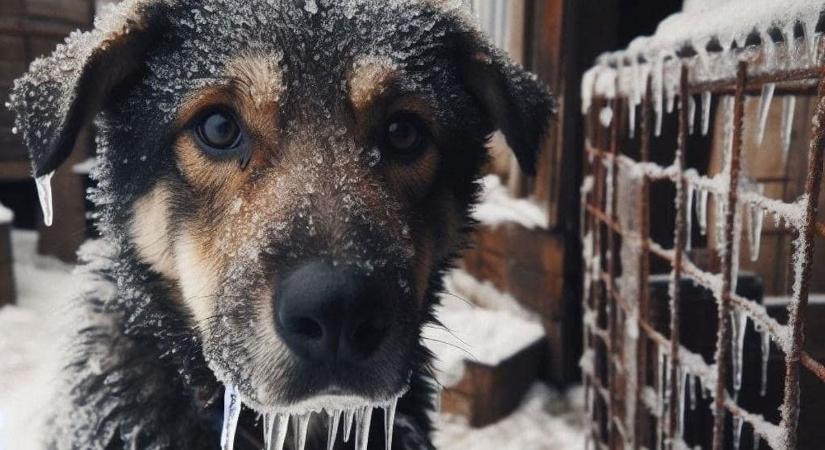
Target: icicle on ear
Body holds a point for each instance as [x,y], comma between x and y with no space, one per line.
[62,93]
[517,102]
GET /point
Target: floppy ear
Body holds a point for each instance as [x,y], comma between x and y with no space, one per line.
[63,93]
[517,102]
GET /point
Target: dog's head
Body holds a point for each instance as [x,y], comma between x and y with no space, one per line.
[299,173]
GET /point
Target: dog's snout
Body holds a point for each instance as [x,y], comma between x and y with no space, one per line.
[329,314]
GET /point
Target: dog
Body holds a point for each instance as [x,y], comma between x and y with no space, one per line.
[281,185]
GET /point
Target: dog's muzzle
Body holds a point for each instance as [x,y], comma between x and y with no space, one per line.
[331,316]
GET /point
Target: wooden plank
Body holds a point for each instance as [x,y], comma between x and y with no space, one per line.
[546,61]
[487,394]
[528,264]
[7,287]
[16,170]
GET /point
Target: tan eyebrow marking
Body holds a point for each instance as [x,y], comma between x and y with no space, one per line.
[369,78]
[258,77]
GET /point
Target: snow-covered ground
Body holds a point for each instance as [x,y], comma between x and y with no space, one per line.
[32,339]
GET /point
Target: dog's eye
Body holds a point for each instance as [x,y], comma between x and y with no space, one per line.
[405,135]
[219,130]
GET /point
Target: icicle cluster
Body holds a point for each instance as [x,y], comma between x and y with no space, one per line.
[276,425]
[730,27]
[729,24]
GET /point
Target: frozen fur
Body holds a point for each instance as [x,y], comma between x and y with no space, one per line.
[197,243]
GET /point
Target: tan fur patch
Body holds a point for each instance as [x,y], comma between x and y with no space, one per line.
[149,231]
[258,77]
[257,86]
[369,77]
[253,90]
[222,178]
[197,277]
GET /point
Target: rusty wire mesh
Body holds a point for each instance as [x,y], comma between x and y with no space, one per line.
[617,367]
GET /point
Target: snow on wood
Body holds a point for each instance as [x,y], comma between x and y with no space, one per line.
[546,420]
[497,207]
[470,332]
[6,215]
[484,294]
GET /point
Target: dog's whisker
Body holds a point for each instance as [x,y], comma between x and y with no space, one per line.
[456,296]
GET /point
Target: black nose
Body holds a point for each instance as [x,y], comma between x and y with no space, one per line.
[330,314]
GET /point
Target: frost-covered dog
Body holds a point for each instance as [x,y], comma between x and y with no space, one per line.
[282,184]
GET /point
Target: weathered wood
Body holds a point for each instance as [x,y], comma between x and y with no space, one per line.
[547,60]
[528,264]
[487,394]
[7,286]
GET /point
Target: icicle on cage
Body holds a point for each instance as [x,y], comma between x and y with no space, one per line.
[645,385]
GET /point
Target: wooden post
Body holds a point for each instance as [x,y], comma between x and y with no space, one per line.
[7,287]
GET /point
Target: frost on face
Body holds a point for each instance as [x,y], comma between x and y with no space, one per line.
[309,45]
[311,59]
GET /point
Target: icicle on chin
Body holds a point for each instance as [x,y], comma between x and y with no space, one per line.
[44,193]
[231,414]
[276,425]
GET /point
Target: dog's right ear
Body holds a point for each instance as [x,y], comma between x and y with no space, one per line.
[63,93]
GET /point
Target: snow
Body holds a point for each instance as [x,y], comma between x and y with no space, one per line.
[484,294]
[6,215]
[478,334]
[497,207]
[32,341]
[85,167]
[546,420]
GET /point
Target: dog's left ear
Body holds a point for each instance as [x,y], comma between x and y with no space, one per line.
[62,93]
[517,102]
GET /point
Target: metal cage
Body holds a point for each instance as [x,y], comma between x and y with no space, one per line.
[637,369]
